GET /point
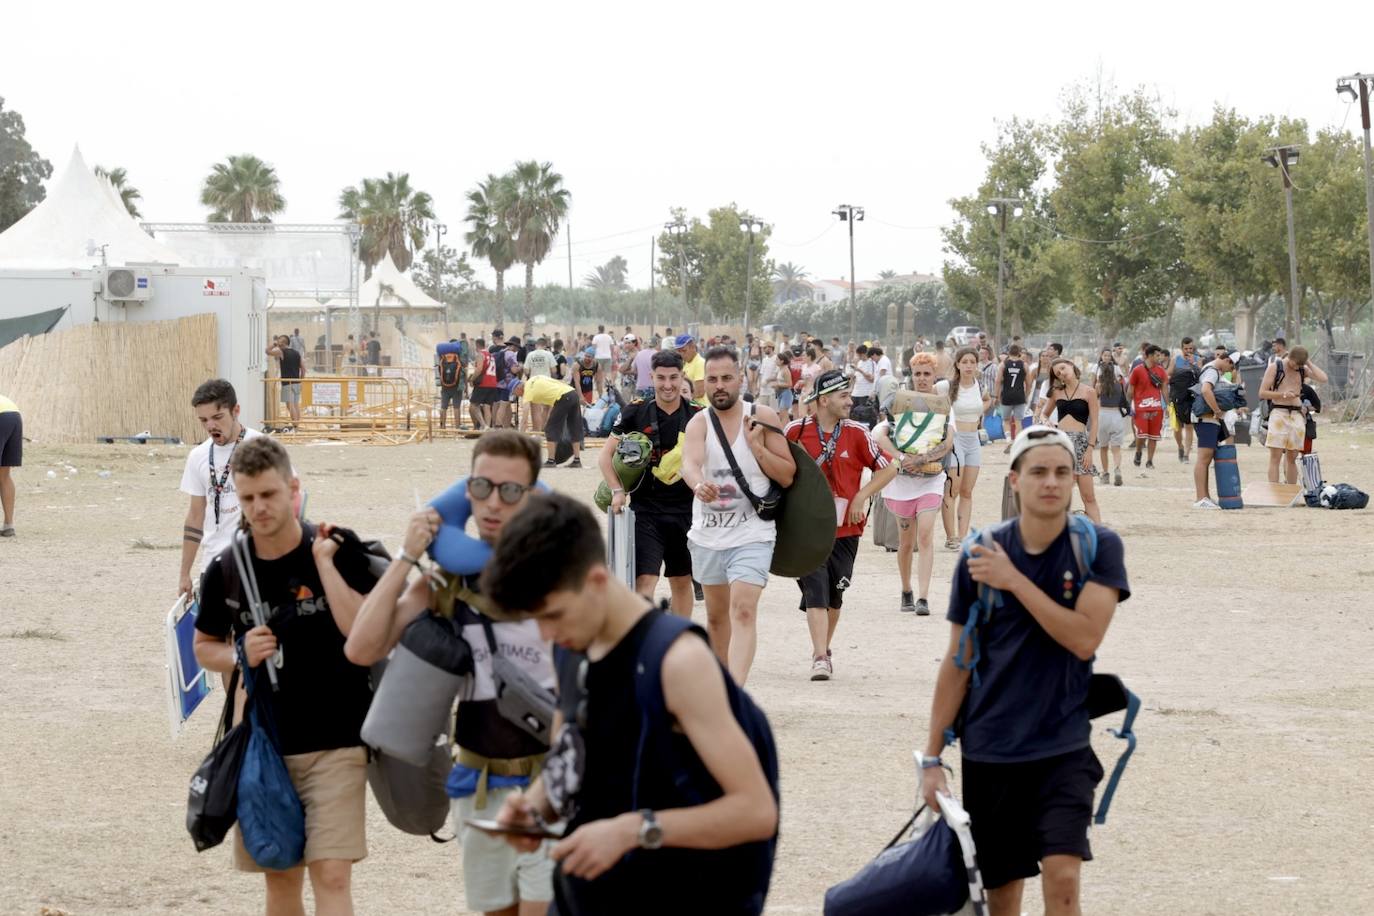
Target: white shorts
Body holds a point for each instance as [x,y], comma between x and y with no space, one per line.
[1111,427]
[495,875]
[745,563]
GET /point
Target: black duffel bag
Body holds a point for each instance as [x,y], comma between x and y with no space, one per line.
[212,805]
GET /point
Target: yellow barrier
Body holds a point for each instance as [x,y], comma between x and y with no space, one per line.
[345,407]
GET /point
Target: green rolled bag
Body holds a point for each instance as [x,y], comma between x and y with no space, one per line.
[631,460]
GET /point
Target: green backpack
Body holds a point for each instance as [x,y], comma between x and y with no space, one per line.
[806,517]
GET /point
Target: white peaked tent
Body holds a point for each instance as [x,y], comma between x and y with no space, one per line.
[391,288]
[80,210]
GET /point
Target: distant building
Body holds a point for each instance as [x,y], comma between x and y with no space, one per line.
[835,290]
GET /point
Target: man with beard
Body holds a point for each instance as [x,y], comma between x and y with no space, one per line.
[843,449]
[731,547]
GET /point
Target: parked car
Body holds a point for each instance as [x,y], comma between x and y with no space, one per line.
[1215,338]
[964,335]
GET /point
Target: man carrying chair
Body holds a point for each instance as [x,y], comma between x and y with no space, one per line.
[1029,771]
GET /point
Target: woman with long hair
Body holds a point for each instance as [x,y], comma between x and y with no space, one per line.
[809,370]
[1113,408]
[915,494]
[967,404]
[1073,407]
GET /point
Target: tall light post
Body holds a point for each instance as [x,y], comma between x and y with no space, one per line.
[439,231]
[678,229]
[748,223]
[998,208]
[1283,158]
[848,213]
[1366,83]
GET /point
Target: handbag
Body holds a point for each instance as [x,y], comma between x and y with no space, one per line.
[211,807]
[914,432]
[271,818]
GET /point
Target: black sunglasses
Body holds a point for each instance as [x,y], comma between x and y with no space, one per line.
[511,492]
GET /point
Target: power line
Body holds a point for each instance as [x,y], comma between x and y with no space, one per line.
[824,233]
[1074,238]
[908,228]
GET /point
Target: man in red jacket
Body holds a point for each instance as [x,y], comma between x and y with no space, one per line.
[843,449]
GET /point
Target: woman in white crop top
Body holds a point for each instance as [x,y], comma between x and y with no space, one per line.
[968,403]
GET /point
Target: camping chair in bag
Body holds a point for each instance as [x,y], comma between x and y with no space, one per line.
[620,545]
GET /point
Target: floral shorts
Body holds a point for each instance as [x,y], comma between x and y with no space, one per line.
[1080,449]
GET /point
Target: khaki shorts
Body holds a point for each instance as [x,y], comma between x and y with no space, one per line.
[332,786]
[495,875]
[1287,429]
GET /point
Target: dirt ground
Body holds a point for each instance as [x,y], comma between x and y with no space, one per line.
[1248,637]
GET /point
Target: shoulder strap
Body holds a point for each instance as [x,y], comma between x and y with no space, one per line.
[663,631]
[1083,541]
[734,465]
[987,600]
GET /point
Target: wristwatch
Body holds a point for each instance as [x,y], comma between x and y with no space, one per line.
[930,763]
[650,833]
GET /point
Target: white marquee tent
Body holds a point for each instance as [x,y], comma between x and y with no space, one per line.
[389,289]
[80,211]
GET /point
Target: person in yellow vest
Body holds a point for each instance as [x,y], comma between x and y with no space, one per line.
[565,417]
[11,456]
[693,368]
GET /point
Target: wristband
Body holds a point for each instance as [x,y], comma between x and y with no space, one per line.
[411,560]
[931,763]
[617,490]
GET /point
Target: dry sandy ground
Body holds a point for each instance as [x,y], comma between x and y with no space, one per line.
[1248,636]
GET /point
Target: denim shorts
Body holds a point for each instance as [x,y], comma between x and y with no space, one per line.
[785,399]
[745,563]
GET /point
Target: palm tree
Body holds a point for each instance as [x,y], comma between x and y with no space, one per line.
[610,276]
[242,190]
[394,218]
[789,282]
[886,274]
[490,235]
[119,180]
[537,209]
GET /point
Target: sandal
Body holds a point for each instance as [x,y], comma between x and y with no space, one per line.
[951,543]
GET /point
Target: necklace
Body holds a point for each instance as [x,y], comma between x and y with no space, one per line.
[219,485]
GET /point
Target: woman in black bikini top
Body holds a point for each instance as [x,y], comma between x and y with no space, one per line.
[1075,407]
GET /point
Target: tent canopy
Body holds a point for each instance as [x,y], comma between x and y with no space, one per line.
[80,210]
[388,288]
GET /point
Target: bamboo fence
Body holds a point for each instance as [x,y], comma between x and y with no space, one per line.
[111,379]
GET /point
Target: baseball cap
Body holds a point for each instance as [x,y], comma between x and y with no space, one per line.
[629,338]
[1032,436]
[683,340]
[590,351]
[828,382]
[1235,356]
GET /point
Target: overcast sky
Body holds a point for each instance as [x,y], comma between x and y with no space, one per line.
[784,109]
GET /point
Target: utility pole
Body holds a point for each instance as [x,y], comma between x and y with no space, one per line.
[1366,82]
[653,312]
[1281,158]
[748,223]
[439,230]
[998,207]
[678,228]
[572,296]
[851,214]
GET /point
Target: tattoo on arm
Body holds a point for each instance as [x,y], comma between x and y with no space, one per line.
[191,534]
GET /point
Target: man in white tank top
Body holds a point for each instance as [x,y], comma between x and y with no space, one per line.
[731,546]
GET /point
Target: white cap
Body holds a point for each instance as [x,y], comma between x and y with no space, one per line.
[1235,356]
[629,338]
[1032,436]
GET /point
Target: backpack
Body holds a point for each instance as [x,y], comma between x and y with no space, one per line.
[663,750]
[502,365]
[212,804]
[271,817]
[450,371]
[1184,377]
[1106,692]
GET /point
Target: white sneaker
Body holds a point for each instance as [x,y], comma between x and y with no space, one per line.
[1205,504]
[821,669]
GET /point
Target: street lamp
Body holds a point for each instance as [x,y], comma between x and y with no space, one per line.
[848,213]
[1281,158]
[439,231]
[1366,84]
[748,223]
[678,229]
[998,207]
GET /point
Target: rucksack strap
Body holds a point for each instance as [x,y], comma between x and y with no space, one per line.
[734,465]
[1125,733]
[664,629]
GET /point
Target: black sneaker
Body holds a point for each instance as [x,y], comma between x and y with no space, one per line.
[1137,459]
[1182,456]
[1149,465]
[908,605]
[550,463]
[922,608]
[575,463]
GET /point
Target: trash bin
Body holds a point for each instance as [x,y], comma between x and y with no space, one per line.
[1252,376]
[1338,368]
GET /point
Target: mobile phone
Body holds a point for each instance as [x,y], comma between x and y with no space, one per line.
[493,826]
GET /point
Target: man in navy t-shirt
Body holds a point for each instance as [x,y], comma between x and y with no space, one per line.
[1029,771]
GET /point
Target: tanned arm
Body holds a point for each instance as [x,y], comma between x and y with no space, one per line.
[190,541]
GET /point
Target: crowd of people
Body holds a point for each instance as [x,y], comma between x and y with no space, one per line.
[724,420]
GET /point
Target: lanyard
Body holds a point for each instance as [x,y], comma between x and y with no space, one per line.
[218,485]
[827,448]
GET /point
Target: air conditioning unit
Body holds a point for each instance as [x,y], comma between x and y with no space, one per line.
[124,285]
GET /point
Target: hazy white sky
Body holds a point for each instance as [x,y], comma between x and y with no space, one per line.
[787,109]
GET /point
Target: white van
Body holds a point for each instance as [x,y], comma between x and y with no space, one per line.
[964,335]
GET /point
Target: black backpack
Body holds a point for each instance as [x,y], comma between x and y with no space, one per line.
[212,803]
[502,367]
[450,371]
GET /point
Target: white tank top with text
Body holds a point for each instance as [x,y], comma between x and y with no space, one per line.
[730,521]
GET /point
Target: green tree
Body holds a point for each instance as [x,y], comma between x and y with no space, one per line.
[456,281]
[1035,276]
[394,218]
[119,180]
[684,252]
[22,171]
[1332,242]
[717,260]
[1112,169]
[609,277]
[789,283]
[536,210]
[242,189]
[489,232]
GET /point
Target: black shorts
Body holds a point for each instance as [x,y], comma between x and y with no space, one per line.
[825,587]
[661,543]
[487,395]
[565,420]
[1022,812]
[11,439]
[450,397]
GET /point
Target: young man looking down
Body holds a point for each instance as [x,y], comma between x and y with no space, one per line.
[633,844]
[1029,771]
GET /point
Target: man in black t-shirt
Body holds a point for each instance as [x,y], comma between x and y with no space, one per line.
[662,502]
[1029,771]
[314,592]
[291,368]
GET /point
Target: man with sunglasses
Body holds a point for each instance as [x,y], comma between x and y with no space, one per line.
[1029,771]
[493,756]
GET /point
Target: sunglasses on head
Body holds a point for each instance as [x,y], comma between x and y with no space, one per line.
[510,491]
